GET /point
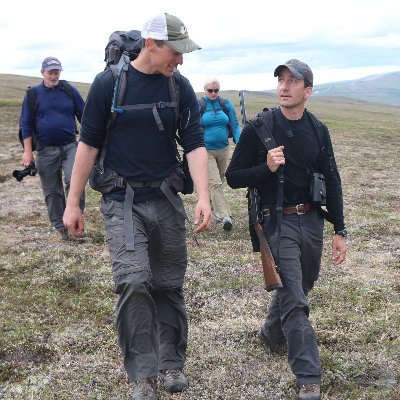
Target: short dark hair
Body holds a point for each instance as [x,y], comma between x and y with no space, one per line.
[159,43]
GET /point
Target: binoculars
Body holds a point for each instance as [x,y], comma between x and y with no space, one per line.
[318,189]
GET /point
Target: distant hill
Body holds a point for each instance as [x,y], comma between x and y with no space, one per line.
[14,86]
[380,88]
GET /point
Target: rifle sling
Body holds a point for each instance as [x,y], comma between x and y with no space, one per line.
[265,134]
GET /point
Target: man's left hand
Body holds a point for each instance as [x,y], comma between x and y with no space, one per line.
[339,249]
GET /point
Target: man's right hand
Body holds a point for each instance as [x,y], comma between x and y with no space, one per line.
[74,221]
[275,158]
[84,160]
[27,158]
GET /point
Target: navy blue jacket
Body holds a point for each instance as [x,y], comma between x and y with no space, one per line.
[55,115]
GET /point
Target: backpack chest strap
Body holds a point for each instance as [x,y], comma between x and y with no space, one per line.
[153,106]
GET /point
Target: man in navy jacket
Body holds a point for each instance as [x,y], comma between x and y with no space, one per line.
[52,122]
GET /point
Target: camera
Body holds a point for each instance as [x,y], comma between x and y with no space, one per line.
[318,189]
[20,174]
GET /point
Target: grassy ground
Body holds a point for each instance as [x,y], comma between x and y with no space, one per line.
[57,338]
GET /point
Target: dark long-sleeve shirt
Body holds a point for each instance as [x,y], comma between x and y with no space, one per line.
[54,120]
[303,156]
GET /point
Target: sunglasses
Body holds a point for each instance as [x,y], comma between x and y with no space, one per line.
[212,90]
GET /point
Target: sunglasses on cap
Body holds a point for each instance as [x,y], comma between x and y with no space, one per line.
[212,90]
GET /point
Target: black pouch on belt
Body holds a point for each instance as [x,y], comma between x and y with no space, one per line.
[104,180]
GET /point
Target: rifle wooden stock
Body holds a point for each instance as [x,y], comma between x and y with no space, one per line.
[271,276]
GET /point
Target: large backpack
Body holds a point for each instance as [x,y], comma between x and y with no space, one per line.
[122,48]
[32,104]
[120,42]
[224,108]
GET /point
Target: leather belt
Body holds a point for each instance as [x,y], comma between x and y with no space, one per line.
[299,209]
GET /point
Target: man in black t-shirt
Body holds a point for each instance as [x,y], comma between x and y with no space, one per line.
[303,148]
[151,318]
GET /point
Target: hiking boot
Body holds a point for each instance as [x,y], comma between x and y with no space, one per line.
[227,223]
[310,391]
[64,234]
[145,389]
[174,380]
[278,348]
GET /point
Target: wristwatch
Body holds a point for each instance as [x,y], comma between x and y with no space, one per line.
[343,233]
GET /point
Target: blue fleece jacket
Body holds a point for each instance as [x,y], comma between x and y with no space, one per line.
[215,123]
[55,115]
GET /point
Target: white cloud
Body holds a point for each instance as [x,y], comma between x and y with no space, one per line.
[241,43]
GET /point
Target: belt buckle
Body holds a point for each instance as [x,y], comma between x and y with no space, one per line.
[297,209]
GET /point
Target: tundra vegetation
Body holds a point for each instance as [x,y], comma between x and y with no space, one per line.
[57,337]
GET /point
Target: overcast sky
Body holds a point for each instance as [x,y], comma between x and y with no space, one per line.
[242,41]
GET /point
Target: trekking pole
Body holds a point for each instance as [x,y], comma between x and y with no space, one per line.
[242,108]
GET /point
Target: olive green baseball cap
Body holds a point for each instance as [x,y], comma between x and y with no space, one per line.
[171,30]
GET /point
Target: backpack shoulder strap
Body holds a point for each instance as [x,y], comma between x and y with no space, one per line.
[65,85]
[119,88]
[174,86]
[119,78]
[314,119]
[31,96]
[263,125]
[318,129]
[222,103]
[202,104]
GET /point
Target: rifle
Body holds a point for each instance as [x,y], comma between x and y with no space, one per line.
[270,270]
[271,277]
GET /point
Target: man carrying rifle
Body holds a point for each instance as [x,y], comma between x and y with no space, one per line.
[303,163]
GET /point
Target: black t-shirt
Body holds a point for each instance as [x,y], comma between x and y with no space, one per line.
[137,150]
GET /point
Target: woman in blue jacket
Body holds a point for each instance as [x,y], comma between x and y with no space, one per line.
[219,121]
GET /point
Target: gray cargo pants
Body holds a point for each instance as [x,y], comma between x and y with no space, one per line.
[150,310]
[300,251]
[51,162]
